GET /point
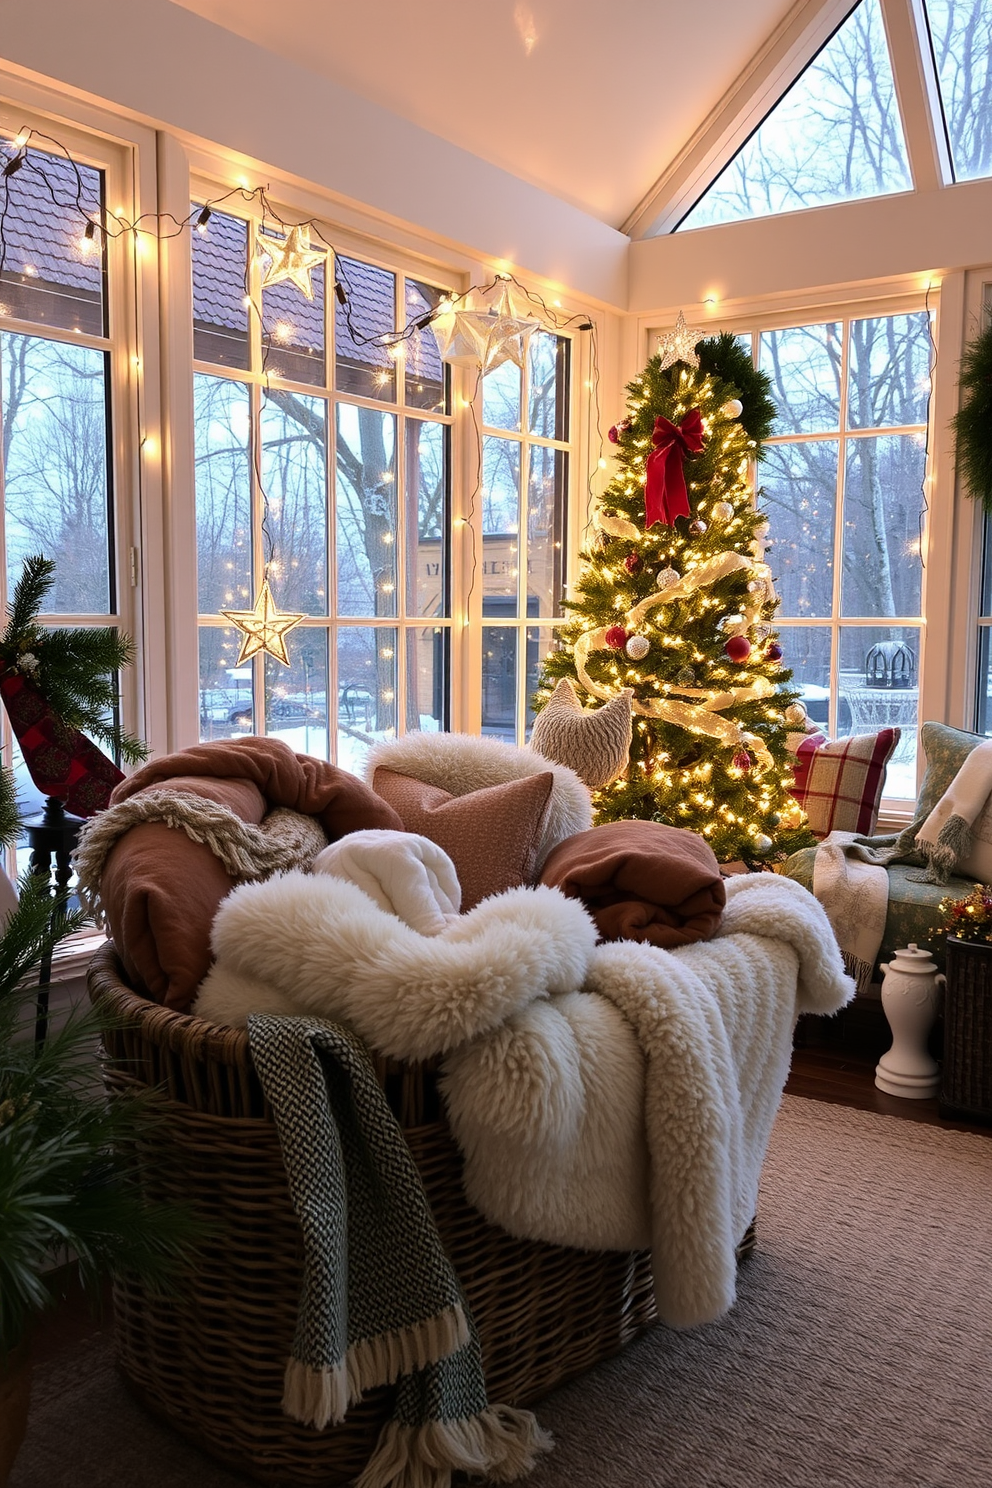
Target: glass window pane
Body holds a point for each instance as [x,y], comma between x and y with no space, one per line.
[370,311]
[226,689]
[806,652]
[548,399]
[879,673]
[984,709]
[883,507]
[539,643]
[220,309]
[499,682]
[427,679]
[294,514]
[889,371]
[51,273]
[296,696]
[367,686]
[366,511]
[500,485]
[960,31]
[798,492]
[834,136]
[293,331]
[501,397]
[804,364]
[54,407]
[221,423]
[546,487]
[425,375]
[426,518]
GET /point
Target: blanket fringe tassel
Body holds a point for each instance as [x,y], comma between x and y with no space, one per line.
[858,970]
[321,1397]
[501,1444]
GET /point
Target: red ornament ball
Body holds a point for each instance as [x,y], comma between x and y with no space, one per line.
[741,760]
[616,637]
[738,648]
[632,562]
[773,652]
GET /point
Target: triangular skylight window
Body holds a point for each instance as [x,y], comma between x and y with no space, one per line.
[961,35]
[835,136]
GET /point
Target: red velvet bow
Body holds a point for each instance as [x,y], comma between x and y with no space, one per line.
[665,496]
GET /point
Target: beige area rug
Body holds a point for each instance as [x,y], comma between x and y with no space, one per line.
[859,1354]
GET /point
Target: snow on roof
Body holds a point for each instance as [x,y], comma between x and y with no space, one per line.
[42,206]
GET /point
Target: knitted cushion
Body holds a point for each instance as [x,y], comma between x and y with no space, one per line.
[492,835]
[595,744]
[839,785]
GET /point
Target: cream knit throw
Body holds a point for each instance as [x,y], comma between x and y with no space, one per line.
[855,895]
[945,838]
[285,839]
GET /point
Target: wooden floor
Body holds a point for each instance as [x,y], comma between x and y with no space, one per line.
[846,1077]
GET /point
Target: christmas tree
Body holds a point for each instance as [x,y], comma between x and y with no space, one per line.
[674,601]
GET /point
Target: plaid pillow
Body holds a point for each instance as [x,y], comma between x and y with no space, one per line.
[839,785]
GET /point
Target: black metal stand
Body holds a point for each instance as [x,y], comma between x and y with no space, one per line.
[52,833]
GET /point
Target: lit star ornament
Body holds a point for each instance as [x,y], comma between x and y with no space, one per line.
[484,335]
[264,627]
[289,259]
[679,345]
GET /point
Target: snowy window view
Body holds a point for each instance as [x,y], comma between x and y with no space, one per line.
[836,135]
[524,485]
[961,38]
[322,463]
[843,485]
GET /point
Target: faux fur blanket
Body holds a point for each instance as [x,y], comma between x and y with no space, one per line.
[608,1096]
[641,880]
[402,872]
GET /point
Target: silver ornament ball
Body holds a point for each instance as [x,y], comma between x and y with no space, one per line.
[637,647]
[733,408]
[667,578]
[723,511]
[795,713]
[762,843]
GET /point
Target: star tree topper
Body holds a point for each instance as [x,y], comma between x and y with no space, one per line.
[264,627]
[290,259]
[679,345]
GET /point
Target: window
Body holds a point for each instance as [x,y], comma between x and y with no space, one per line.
[834,136]
[961,39]
[843,484]
[525,453]
[59,339]
[322,463]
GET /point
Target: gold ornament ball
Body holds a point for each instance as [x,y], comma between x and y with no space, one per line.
[795,714]
[667,578]
[723,511]
[637,647]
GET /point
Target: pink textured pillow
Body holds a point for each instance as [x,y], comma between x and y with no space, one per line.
[492,835]
[839,785]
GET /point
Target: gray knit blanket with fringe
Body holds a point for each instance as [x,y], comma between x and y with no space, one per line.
[380,1302]
[283,840]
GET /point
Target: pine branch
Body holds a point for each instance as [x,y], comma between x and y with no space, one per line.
[37,577]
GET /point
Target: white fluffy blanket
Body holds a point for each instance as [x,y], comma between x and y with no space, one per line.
[612,1096]
[402,872]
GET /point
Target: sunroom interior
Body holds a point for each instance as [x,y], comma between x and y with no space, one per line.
[815,178]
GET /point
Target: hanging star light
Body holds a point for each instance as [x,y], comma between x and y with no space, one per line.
[264,627]
[484,335]
[290,259]
[679,345]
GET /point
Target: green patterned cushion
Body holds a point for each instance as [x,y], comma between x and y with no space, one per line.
[946,750]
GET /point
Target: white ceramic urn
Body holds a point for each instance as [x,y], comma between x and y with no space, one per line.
[911,992]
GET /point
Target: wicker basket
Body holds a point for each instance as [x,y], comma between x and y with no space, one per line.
[966,1072]
[211,1360]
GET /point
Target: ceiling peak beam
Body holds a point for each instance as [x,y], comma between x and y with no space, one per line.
[918,93]
[793,43]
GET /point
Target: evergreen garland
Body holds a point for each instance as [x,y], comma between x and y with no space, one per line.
[973,423]
[75,669]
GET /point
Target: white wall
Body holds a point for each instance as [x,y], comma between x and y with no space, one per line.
[172,69]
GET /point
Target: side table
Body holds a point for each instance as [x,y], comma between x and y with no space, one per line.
[966,1077]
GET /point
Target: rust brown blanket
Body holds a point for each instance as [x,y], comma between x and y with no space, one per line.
[641,881]
[160,890]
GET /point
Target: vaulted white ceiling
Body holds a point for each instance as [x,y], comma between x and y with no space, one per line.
[591,100]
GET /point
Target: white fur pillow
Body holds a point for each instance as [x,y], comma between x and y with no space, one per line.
[461,763]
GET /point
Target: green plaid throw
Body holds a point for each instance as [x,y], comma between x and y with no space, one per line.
[380,1300]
